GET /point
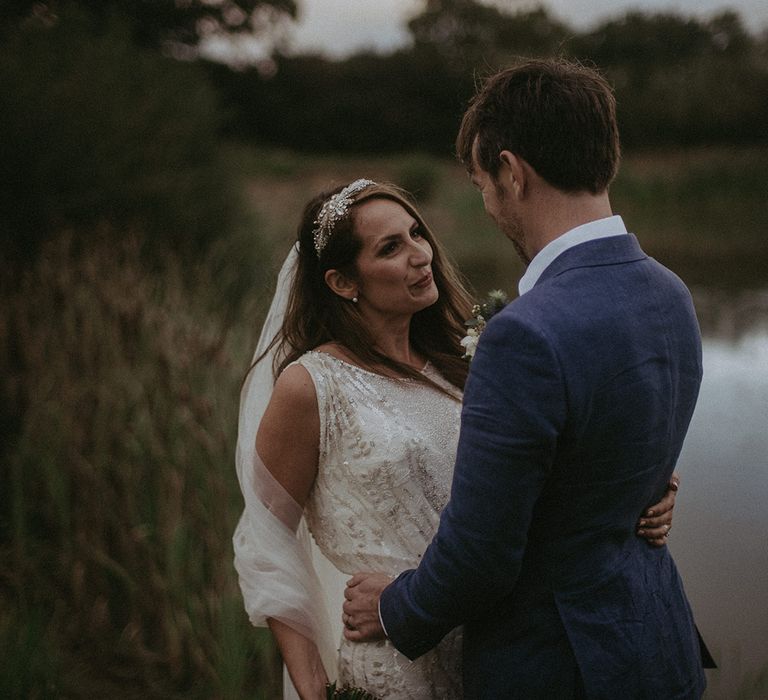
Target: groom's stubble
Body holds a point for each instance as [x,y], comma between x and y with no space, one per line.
[511,225]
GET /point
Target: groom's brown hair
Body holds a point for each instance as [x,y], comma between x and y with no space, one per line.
[558,116]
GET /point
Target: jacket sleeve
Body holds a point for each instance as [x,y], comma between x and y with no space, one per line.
[514,410]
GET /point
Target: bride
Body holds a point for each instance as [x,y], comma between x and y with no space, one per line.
[355,439]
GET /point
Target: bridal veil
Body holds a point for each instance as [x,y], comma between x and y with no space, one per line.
[282,574]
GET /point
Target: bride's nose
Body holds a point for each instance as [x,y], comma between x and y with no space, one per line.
[421,255]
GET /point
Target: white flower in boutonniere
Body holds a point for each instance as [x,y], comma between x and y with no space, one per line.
[481,314]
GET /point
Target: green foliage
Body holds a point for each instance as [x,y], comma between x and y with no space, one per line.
[30,668]
[121,498]
[96,130]
[367,104]
[347,693]
[678,80]
[468,35]
[420,175]
[155,22]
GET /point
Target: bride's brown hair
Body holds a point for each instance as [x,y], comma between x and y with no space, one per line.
[316,315]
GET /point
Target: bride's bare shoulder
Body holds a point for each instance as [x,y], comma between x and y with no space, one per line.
[294,387]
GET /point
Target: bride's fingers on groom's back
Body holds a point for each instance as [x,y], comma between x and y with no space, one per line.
[667,503]
[662,519]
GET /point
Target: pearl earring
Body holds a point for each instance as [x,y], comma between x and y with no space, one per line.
[354,300]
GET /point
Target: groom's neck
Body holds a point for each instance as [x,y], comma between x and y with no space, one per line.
[554,213]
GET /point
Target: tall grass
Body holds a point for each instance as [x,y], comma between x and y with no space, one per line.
[120,389]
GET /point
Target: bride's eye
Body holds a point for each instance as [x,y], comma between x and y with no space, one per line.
[416,232]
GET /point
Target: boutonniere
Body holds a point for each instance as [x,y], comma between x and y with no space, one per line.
[481,314]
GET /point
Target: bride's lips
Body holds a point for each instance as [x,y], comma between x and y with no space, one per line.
[424,282]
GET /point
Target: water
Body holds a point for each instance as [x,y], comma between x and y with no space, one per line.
[720,532]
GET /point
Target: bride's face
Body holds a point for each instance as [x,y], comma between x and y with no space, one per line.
[394,264]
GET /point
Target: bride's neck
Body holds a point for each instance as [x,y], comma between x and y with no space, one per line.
[400,351]
[394,341]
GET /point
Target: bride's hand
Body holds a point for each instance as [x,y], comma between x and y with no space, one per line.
[656,523]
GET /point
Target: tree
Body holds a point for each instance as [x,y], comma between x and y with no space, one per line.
[97,130]
[680,80]
[644,42]
[467,34]
[164,22]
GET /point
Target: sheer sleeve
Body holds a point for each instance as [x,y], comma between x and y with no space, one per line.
[274,562]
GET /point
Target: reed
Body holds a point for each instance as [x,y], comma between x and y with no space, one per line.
[120,496]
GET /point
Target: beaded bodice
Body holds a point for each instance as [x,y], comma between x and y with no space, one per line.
[387,450]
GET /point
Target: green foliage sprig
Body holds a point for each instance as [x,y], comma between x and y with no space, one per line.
[481,314]
[347,692]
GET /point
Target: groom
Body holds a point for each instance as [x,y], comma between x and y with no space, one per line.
[575,410]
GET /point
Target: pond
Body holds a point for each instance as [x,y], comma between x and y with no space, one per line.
[720,533]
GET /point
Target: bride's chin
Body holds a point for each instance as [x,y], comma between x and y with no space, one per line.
[429,300]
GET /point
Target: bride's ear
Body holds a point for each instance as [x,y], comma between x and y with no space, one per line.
[341,284]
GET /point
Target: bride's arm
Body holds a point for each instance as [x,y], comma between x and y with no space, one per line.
[287,442]
[302,660]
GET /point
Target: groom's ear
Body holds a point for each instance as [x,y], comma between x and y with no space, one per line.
[341,284]
[513,173]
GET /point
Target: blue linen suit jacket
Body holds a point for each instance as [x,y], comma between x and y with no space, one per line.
[576,407]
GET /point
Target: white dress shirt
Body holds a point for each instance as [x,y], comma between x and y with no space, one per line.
[591,231]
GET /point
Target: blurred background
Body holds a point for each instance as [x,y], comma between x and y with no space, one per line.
[155,156]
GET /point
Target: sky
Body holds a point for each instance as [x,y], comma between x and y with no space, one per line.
[338,28]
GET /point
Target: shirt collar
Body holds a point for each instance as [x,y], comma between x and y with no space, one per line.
[591,231]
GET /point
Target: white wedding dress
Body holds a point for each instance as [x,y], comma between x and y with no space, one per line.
[387,451]
[386,458]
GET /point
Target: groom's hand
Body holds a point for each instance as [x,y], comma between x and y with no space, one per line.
[361,607]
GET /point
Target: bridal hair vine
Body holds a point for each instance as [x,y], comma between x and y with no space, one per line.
[333,210]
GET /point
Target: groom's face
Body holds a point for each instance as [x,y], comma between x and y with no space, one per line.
[500,206]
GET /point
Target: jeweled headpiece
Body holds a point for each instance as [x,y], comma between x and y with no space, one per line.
[333,211]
